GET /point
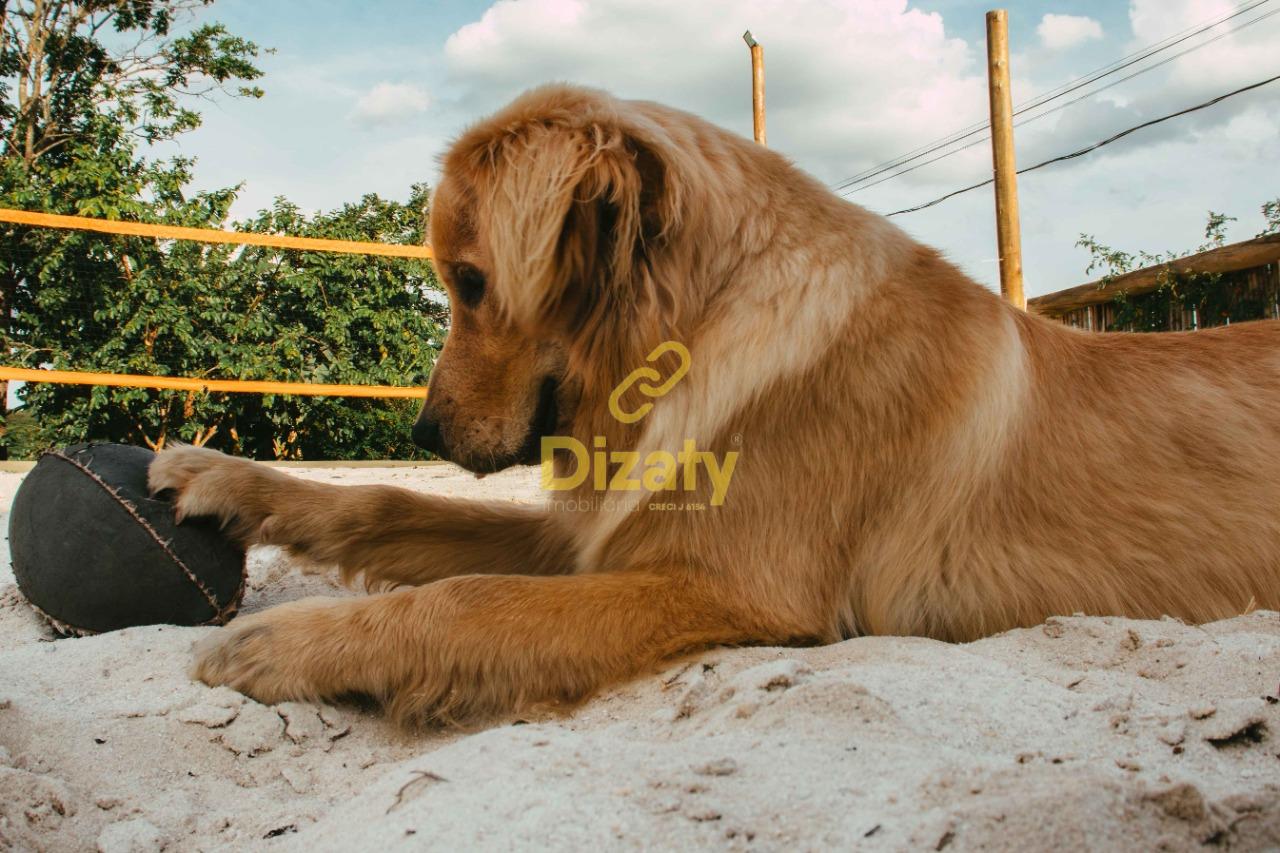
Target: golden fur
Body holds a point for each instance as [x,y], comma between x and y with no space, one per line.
[917,457]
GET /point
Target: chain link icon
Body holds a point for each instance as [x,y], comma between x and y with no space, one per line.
[649,374]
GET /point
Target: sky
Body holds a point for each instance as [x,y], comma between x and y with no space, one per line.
[365,96]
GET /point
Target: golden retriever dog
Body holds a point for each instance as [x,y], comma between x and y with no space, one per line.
[894,449]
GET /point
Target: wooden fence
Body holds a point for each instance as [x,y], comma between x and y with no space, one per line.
[1236,283]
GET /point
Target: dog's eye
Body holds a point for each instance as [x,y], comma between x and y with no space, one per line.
[469,283]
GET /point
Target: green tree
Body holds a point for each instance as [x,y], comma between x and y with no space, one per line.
[132,305]
[80,80]
[1271,215]
[75,113]
[65,64]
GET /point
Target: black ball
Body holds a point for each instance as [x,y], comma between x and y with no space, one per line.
[93,551]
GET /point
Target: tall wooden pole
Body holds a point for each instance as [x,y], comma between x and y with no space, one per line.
[757,86]
[1008,229]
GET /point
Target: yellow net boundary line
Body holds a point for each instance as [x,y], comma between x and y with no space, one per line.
[211,235]
[233,386]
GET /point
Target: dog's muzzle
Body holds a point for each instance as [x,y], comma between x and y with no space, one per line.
[429,434]
[426,434]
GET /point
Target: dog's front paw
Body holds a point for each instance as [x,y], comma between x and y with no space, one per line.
[179,466]
[207,483]
[290,652]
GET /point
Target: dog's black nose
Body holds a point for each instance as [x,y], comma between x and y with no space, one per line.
[426,434]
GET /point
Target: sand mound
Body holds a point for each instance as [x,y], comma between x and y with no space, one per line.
[1105,732]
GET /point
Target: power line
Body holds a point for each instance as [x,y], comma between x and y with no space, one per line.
[1081,152]
[1041,100]
[1137,56]
[1069,103]
[1046,97]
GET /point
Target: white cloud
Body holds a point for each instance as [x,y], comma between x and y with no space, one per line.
[390,103]
[849,83]
[1059,32]
[1235,52]
[1154,19]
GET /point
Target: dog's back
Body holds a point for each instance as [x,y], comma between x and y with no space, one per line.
[1157,458]
[1134,474]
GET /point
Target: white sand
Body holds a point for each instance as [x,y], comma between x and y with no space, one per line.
[1105,732]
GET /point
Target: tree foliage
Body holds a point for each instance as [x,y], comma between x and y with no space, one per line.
[67,64]
[84,86]
[1201,293]
[135,305]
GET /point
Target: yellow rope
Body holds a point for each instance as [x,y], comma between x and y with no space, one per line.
[212,235]
[235,386]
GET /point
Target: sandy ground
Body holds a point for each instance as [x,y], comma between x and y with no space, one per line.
[1105,733]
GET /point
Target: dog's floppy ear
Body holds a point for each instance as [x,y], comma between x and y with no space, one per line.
[575,217]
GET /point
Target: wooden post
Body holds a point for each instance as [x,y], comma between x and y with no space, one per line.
[1008,229]
[757,86]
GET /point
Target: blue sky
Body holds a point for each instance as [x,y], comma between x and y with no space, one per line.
[363,97]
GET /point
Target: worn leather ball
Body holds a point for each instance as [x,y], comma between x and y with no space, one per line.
[93,551]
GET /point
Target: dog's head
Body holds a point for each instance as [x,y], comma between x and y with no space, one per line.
[549,227]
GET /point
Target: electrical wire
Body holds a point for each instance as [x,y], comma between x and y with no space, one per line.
[1095,146]
[1046,97]
[1060,107]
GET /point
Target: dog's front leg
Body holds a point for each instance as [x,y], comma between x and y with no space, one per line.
[391,536]
[474,646]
